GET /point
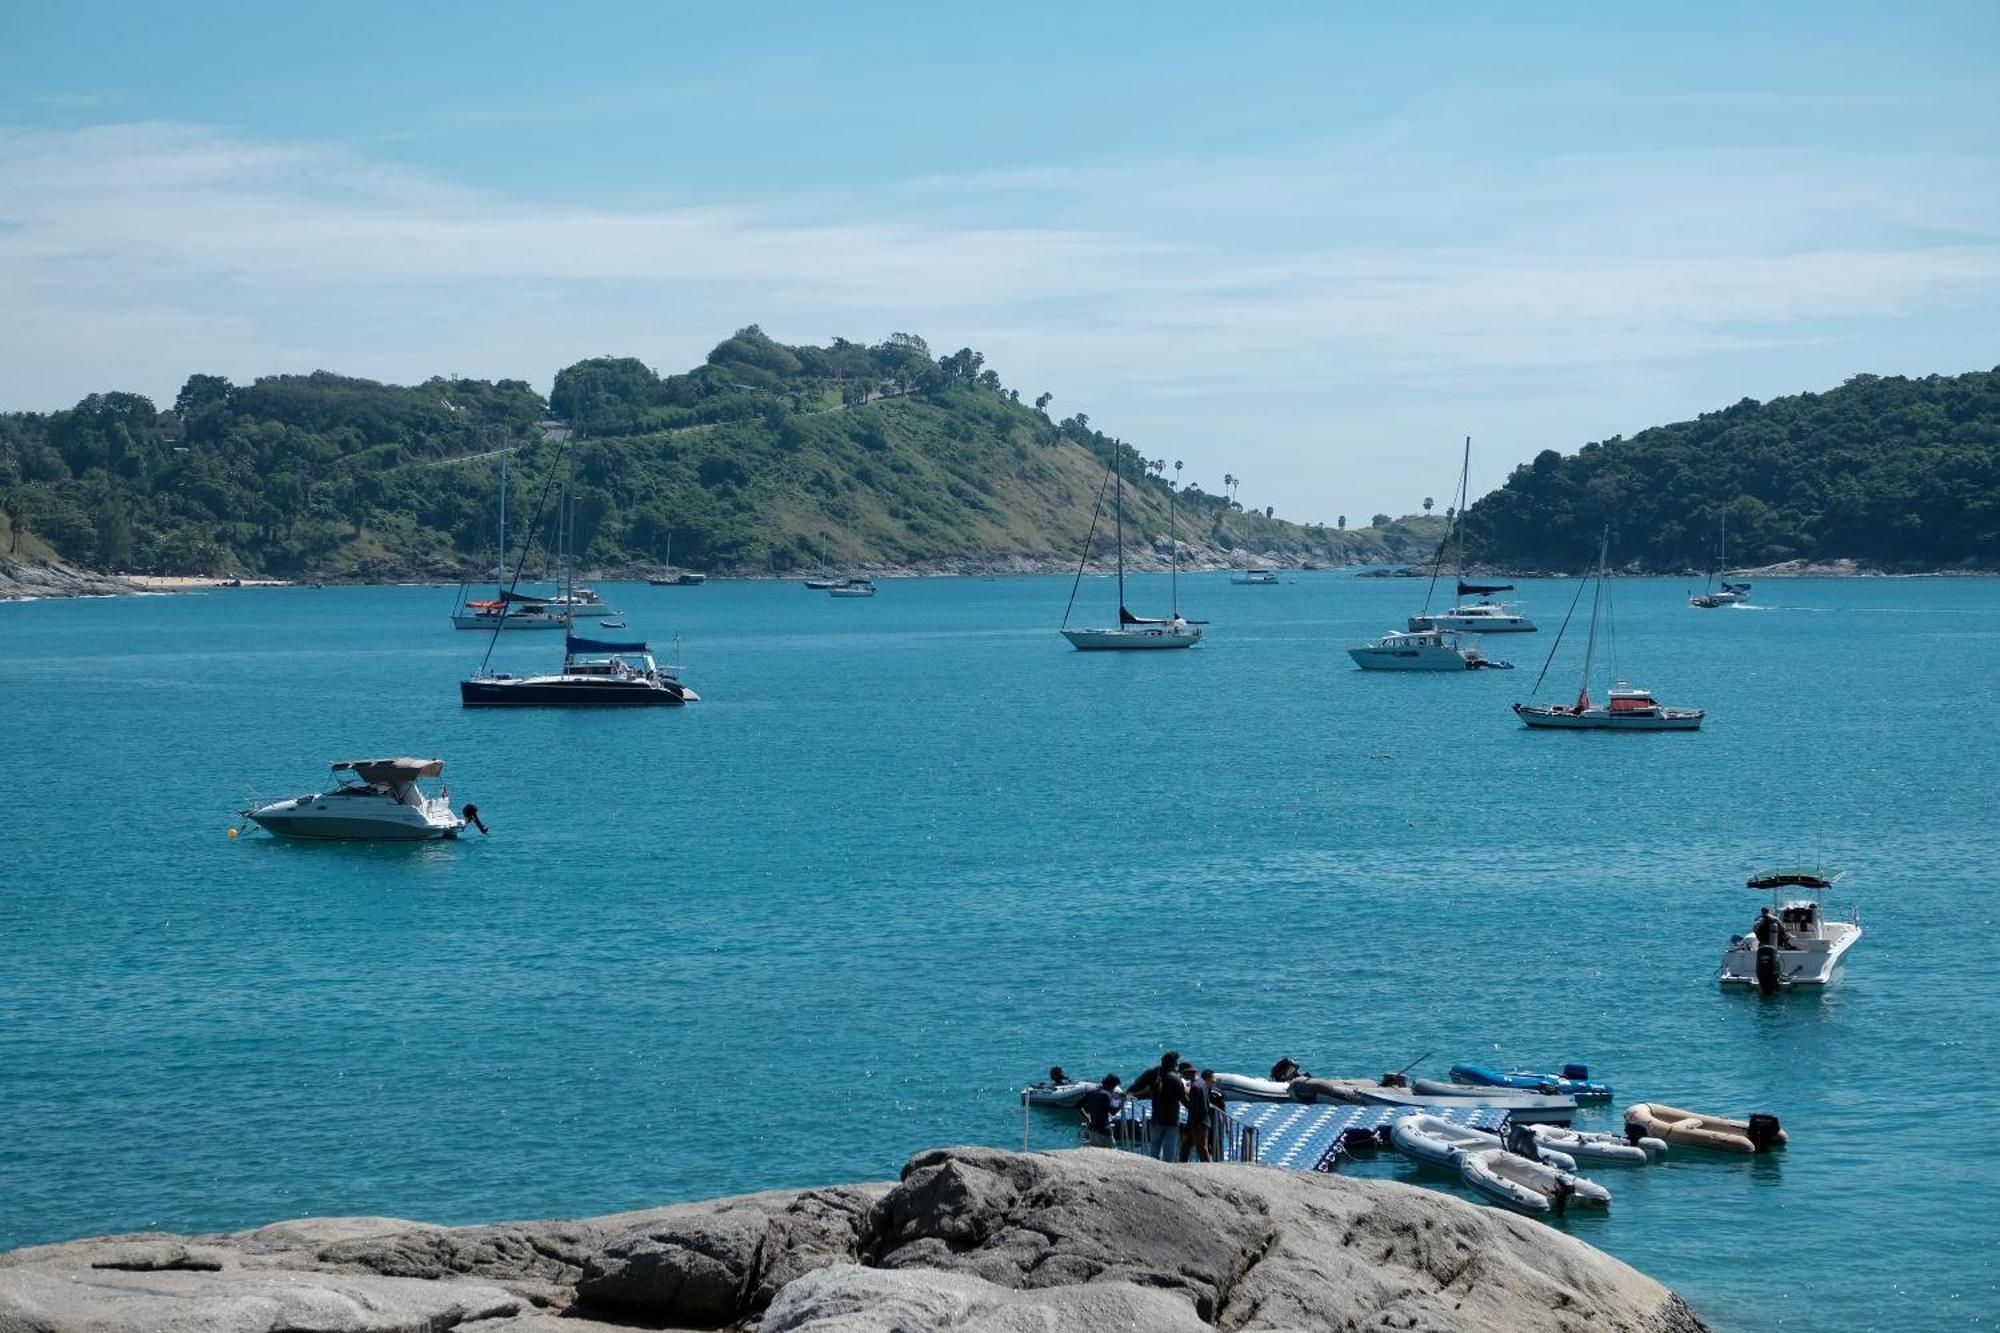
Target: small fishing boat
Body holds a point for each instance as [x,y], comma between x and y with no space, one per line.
[372,800]
[1422,650]
[1249,1088]
[1808,947]
[1606,1149]
[1531,1187]
[1132,632]
[1255,578]
[612,624]
[1691,1129]
[853,588]
[1573,1081]
[1627,708]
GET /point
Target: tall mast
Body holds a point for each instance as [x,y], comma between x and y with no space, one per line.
[1464,475]
[1596,598]
[1173,554]
[503,515]
[1118,485]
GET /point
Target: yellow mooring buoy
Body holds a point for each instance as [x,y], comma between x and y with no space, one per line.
[232,833]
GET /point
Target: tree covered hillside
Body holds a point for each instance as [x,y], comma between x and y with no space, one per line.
[765,458]
[1892,471]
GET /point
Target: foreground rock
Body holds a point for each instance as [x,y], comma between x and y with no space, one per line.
[971,1239]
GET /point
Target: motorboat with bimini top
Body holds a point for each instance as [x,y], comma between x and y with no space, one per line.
[1626,708]
[596,673]
[1573,1081]
[376,800]
[1132,632]
[1792,942]
[1527,1185]
[1691,1129]
[1480,616]
[1422,650]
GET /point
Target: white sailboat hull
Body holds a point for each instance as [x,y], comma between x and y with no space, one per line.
[1603,719]
[513,620]
[1456,621]
[1138,638]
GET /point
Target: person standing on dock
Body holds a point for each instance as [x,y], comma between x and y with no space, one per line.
[1099,1105]
[1202,1101]
[1167,1093]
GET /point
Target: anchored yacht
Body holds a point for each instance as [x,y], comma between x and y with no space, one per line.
[595,674]
[1805,947]
[372,799]
[1422,650]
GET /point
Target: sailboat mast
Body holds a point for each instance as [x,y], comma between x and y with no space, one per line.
[502,572]
[1118,488]
[1464,475]
[1173,554]
[1596,599]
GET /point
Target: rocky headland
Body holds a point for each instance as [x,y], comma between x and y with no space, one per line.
[970,1239]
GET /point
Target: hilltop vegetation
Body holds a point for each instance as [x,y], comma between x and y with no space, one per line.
[765,458]
[1886,470]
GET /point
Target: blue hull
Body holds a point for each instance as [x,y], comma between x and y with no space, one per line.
[1584,1090]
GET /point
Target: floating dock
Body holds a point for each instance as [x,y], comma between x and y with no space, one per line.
[1297,1136]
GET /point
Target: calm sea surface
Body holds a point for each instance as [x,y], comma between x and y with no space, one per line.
[907,852]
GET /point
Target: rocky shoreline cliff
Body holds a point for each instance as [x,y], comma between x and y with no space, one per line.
[971,1239]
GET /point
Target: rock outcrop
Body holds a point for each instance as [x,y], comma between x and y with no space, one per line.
[27,577]
[970,1239]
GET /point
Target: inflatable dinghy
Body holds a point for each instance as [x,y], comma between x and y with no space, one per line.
[1609,1149]
[1344,1090]
[1056,1094]
[1573,1081]
[1248,1088]
[1436,1141]
[1691,1129]
[1532,1187]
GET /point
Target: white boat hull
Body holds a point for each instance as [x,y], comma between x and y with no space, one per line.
[1814,964]
[513,620]
[1128,640]
[1602,719]
[1462,622]
[1413,659]
[1531,1187]
[358,819]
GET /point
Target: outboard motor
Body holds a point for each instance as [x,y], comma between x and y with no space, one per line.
[1581,1073]
[1763,1131]
[1286,1070]
[1559,1196]
[471,814]
[1767,968]
[1394,1080]
[1355,1140]
[1522,1143]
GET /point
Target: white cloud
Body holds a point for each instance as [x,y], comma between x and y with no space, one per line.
[1257,308]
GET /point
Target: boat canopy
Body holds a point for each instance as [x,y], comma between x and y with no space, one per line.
[390,770]
[1482,589]
[572,644]
[1792,877]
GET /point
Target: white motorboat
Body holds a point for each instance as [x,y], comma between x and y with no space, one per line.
[371,799]
[1626,708]
[595,674]
[1132,632]
[853,588]
[1530,1186]
[1255,578]
[1596,1147]
[1806,948]
[1422,650]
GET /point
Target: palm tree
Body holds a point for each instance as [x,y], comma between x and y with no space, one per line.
[1228,487]
[1428,502]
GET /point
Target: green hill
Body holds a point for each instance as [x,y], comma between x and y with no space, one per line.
[764,459]
[1889,471]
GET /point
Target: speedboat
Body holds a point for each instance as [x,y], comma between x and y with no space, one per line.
[1573,1081]
[1255,578]
[371,799]
[595,674]
[1421,650]
[1708,601]
[853,588]
[1809,948]
[1530,1186]
[1481,617]
[1630,709]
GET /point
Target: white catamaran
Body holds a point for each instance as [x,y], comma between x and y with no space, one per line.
[1484,616]
[1132,632]
[1729,593]
[1625,708]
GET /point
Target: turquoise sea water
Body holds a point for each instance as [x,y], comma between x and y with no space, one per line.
[910,851]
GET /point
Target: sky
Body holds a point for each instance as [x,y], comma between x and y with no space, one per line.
[1315,246]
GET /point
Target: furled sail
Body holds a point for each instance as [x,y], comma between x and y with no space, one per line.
[1127,618]
[1482,589]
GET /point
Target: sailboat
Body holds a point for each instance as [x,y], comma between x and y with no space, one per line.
[1625,708]
[677,578]
[1484,616]
[510,608]
[1729,593]
[1132,632]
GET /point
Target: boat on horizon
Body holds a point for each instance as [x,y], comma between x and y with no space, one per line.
[1255,578]
[852,588]
[1626,708]
[372,800]
[1484,616]
[1730,593]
